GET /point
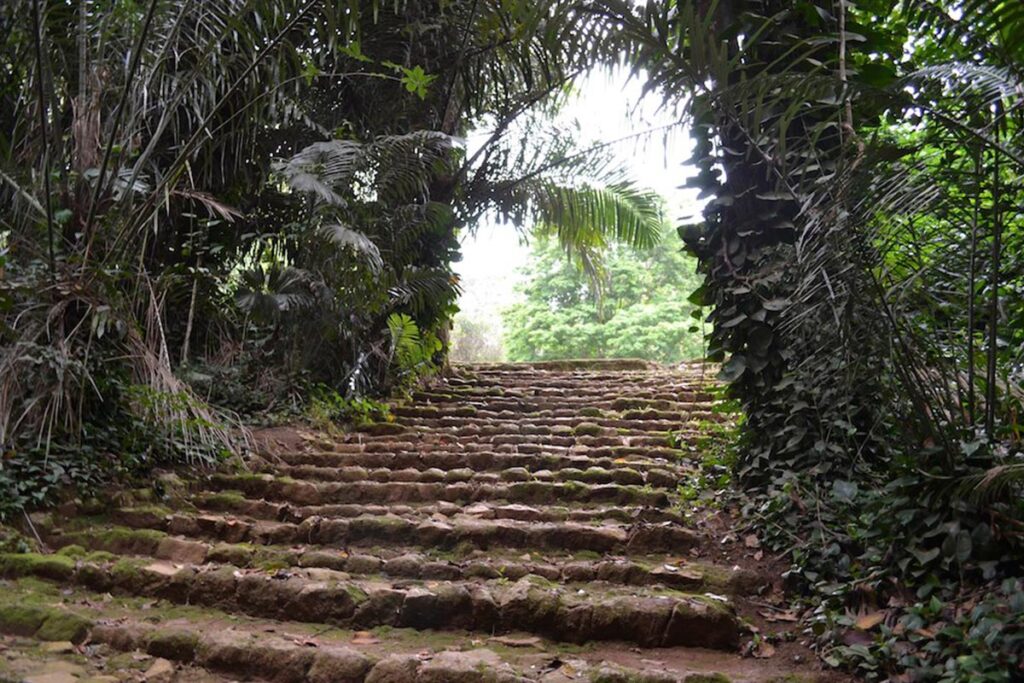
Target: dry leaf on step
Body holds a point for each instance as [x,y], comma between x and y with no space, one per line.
[866,622]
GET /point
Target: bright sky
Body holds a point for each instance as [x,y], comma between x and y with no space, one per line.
[607,107]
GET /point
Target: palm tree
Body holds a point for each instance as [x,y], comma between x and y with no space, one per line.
[136,154]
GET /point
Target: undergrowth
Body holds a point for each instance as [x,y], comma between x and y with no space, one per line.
[901,580]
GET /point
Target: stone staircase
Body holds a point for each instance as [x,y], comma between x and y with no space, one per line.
[515,523]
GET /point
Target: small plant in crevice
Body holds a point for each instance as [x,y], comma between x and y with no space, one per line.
[713,455]
[328,409]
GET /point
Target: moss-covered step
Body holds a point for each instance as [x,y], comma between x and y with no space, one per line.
[305,492]
[462,562]
[201,641]
[383,529]
[647,617]
[236,503]
[456,459]
[593,474]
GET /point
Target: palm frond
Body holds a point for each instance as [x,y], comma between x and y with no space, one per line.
[324,169]
[344,236]
[418,286]
[589,216]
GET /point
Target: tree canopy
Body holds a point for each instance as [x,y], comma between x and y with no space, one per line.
[222,207]
[633,310]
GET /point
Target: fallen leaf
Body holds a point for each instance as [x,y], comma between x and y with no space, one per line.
[866,622]
[364,638]
[752,541]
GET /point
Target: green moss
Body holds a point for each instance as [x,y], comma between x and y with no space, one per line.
[708,678]
[463,550]
[127,661]
[21,620]
[629,403]
[224,500]
[126,571]
[124,540]
[100,557]
[57,567]
[541,582]
[74,550]
[573,489]
[174,645]
[273,565]
[594,474]
[238,554]
[33,589]
[358,594]
[587,429]
[64,626]
[591,411]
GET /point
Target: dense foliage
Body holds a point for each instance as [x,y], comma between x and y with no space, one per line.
[218,205]
[215,206]
[860,254]
[631,309]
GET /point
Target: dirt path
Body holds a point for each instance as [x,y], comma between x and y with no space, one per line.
[516,523]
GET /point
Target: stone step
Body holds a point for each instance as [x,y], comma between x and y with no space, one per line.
[235,502]
[648,617]
[654,477]
[618,365]
[655,445]
[533,460]
[198,641]
[305,492]
[610,402]
[464,530]
[526,409]
[638,424]
[568,387]
[604,400]
[416,562]
[467,445]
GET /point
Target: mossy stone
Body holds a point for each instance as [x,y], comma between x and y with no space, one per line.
[100,557]
[231,553]
[358,595]
[64,626]
[382,429]
[21,620]
[174,645]
[56,567]
[122,540]
[587,429]
[126,573]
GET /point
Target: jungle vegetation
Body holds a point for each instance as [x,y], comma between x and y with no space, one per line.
[630,308]
[218,208]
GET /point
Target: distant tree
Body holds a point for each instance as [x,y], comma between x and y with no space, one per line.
[634,308]
[475,341]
